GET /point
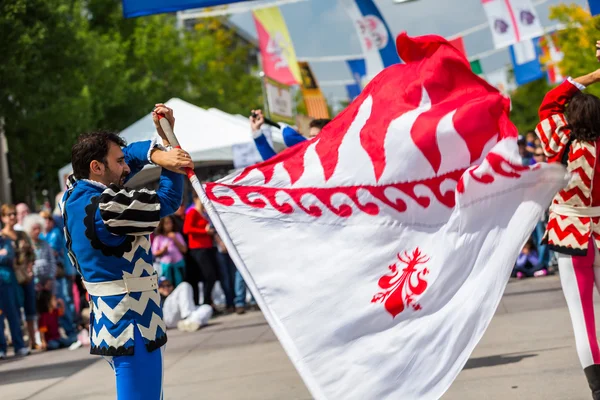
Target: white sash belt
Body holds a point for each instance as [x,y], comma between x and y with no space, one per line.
[125,285]
[570,211]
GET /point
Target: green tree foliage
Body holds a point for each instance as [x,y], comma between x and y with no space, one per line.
[578,43]
[525,101]
[71,66]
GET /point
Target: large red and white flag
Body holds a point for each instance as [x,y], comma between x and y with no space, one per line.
[512,21]
[379,250]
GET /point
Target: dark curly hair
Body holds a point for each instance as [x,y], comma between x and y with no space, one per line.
[319,123]
[583,117]
[90,147]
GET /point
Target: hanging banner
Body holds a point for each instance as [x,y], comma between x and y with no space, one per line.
[138,8]
[245,155]
[594,7]
[353,91]
[476,68]
[551,57]
[236,8]
[499,80]
[376,40]
[525,57]
[316,105]
[512,21]
[276,48]
[280,100]
[459,44]
[358,69]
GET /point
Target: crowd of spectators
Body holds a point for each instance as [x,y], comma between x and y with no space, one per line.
[44,304]
[535,259]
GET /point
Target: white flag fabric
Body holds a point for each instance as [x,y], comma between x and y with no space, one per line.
[379,251]
[525,51]
[512,21]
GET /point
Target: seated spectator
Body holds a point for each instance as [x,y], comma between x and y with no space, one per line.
[528,264]
[50,309]
[169,248]
[44,267]
[179,310]
[9,307]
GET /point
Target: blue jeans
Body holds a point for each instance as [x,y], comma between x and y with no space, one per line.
[227,275]
[61,343]
[10,310]
[62,290]
[543,250]
[28,293]
[240,291]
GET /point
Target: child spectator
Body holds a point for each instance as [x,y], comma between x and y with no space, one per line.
[528,264]
[50,310]
[169,247]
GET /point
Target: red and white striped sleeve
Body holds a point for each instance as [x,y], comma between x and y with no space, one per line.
[552,129]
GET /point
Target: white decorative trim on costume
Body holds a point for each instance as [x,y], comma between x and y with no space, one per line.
[155,145]
[263,131]
[95,183]
[570,211]
[576,84]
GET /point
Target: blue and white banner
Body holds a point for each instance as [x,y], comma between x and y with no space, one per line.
[525,57]
[353,91]
[594,7]
[138,8]
[358,69]
[377,43]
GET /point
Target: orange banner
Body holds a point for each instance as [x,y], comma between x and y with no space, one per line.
[316,105]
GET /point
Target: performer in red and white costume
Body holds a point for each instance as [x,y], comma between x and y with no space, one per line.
[574,225]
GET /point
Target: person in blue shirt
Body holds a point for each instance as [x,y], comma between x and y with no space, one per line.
[107,230]
[9,301]
[261,133]
[54,236]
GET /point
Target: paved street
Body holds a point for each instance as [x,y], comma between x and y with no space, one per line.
[527,353]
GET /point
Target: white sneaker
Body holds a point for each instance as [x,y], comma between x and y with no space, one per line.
[2,355]
[23,352]
[186,325]
[75,345]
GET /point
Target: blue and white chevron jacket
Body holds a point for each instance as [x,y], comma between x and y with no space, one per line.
[107,232]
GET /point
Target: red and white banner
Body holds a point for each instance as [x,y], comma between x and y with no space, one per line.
[512,21]
[379,250]
[552,57]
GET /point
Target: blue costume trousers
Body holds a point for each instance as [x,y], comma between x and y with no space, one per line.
[139,377]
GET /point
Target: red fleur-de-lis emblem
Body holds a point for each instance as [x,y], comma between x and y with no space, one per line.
[403,285]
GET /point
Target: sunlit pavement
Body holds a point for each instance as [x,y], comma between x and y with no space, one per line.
[527,353]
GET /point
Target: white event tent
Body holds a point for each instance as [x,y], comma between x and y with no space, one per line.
[208,135]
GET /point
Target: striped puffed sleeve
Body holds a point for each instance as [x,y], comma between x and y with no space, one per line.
[129,212]
[553,128]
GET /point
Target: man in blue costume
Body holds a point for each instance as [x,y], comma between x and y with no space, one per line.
[107,231]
